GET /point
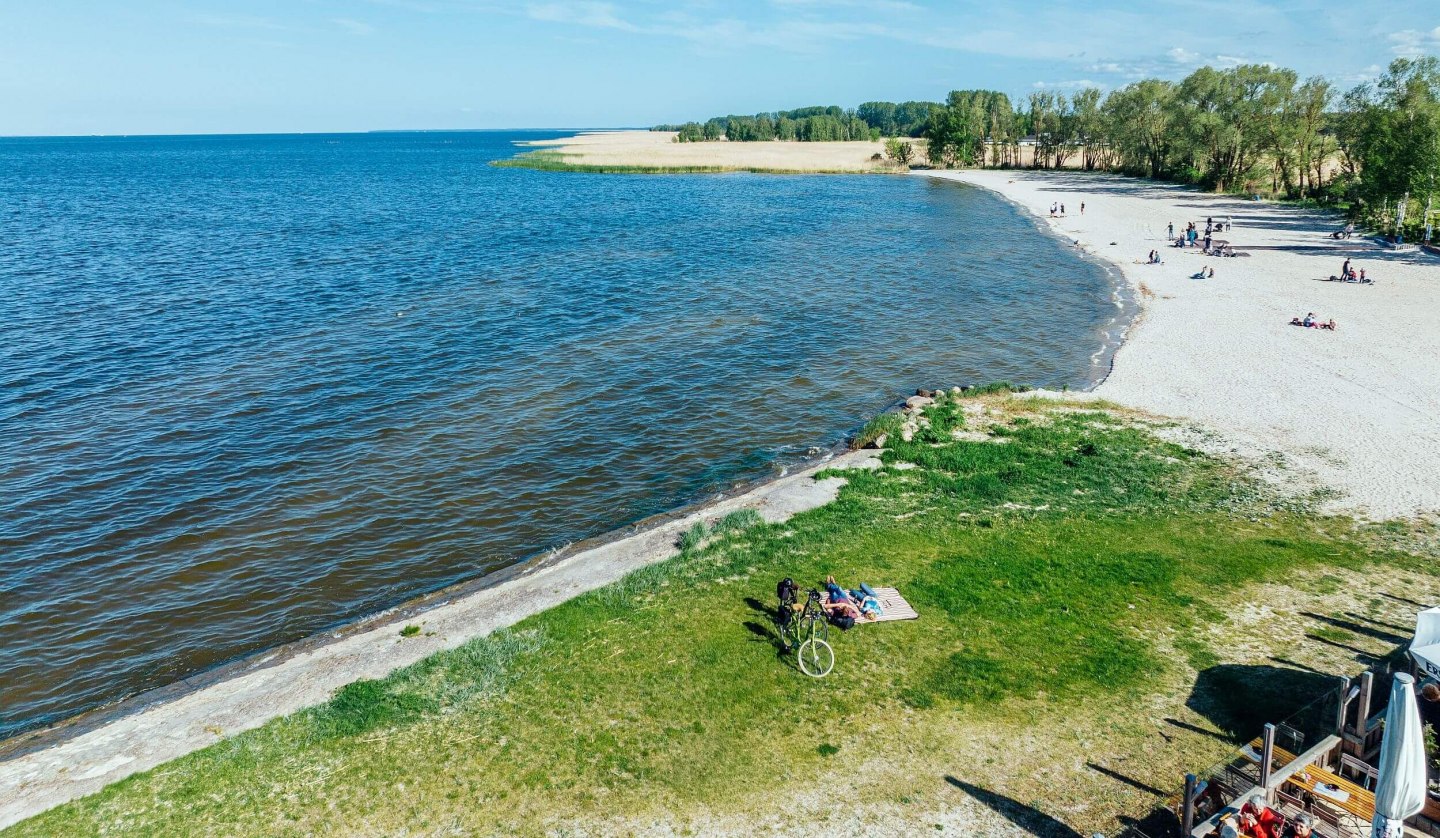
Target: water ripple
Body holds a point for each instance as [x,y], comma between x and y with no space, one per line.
[251,387]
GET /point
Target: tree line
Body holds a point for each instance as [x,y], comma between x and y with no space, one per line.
[870,121]
[1250,128]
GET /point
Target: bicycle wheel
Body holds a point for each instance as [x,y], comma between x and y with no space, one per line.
[813,625]
[790,634]
[816,658]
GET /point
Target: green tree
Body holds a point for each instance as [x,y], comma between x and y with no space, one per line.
[899,151]
[1139,127]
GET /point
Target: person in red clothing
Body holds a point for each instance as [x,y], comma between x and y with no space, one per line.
[1259,820]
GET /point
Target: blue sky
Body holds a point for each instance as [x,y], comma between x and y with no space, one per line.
[152,66]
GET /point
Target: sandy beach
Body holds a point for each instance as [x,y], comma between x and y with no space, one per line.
[1355,409]
[659,149]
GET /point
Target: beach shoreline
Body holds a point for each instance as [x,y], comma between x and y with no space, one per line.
[37,769]
[1348,411]
[1152,369]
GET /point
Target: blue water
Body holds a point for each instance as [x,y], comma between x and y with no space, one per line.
[251,387]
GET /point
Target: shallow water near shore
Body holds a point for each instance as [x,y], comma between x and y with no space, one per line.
[253,387]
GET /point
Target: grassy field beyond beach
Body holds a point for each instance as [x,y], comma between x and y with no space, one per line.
[1098,600]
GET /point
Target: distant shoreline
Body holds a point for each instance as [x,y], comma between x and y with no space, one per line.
[656,152]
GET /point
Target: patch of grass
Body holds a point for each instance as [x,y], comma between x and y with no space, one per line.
[740,519]
[410,631]
[1197,653]
[994,388]
[691,538]
[885,425]
[942,420]
[1332,634]
[1044,568]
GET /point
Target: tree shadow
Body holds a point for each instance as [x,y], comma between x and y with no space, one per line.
[1406,633]
[1240,699]
[1028,818]
[1295,665]
[1404,600]
[1196,729]
[1361,655]
[1126,779]
[1357,628]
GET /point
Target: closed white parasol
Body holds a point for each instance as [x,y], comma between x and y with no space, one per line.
[1400,792]
[1425,648]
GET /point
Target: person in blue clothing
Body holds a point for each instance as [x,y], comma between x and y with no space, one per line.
[840,601]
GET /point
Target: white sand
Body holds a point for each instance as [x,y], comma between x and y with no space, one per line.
[1359,407]
[658,148]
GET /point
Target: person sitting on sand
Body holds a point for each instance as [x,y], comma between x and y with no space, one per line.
[1329,325]
[1309,320]
[1204,273]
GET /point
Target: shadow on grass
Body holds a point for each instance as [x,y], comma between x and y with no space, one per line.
[1196,729]
[1357,628]
[764,628]
[1126,779]
[1028,818]
[1239,699]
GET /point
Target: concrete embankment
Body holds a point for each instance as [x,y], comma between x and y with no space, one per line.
[40,771]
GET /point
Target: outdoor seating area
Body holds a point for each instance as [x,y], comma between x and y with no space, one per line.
[1321,771]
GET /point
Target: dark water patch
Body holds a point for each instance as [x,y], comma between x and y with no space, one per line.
[251,387]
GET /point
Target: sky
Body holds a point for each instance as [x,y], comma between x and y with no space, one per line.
[76,67]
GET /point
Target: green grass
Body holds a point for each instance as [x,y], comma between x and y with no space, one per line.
[1044,567]
[885,425]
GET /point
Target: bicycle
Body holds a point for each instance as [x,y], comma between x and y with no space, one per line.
[808,635]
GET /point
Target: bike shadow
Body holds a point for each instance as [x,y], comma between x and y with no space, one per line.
[766,630]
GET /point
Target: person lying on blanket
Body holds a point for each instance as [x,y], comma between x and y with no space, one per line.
[851,603]
[840,601]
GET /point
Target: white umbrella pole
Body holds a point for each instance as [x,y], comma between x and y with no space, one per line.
[1400,791]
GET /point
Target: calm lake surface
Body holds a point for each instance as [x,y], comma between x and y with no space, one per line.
[253,387]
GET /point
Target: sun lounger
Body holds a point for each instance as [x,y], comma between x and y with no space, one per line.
[892,607]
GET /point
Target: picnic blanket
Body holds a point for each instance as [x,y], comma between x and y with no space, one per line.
[892,607]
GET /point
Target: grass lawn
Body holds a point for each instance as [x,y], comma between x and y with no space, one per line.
[1079,580]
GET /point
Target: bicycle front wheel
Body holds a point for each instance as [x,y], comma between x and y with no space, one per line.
[816,658]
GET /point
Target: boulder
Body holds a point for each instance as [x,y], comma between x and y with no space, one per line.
[918,402]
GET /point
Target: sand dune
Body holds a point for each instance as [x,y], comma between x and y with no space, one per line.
[658,148]
[1359,407]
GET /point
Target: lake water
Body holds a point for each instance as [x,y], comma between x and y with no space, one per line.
[252,387]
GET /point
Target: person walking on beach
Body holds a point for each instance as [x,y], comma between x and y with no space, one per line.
[1082,207]
[1345,270]
[1062,209]
[1170,232]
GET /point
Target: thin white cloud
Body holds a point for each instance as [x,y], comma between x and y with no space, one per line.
[238,22]
[354,27]
[1412,43]
[1076,84]
[598,15]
